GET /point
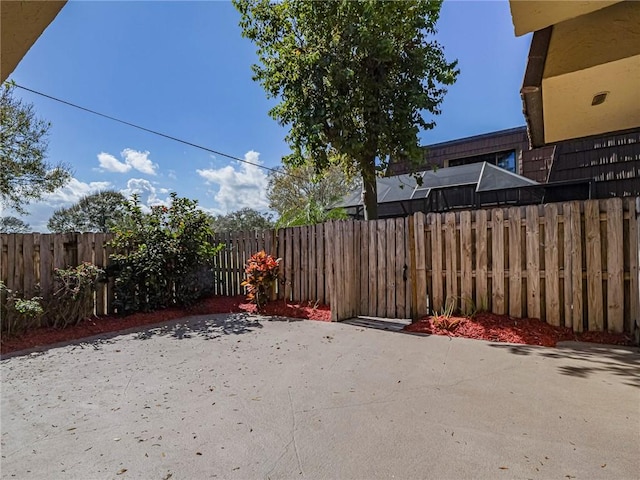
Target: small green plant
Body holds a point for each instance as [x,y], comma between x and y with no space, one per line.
[445,320]
[261,272]
[72,300]
[19,314]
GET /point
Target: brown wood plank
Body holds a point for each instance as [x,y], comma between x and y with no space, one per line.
[634,259]
[304,267]
[364,269]
[451,261]
[372,230]
[391,268]
[532,237]
[288,265]
[615,265]
[4,258]
[436,263]
[338,294]
[577,304]
[28,266]
[515,263]
[297,264]
[230,258]
[466,262]
[551,280]
[46,264]
[400,268]
[313,248]
[566,265]
[408,275]
[19,263]
[497,262]
[11,263]
[381,272]
[280,235]
[319,260]
[228,287]
[329,249]
[483,301]
[421,265]
[594,265]
[350,272]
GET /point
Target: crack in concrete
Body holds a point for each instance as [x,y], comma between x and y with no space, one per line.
[293,433]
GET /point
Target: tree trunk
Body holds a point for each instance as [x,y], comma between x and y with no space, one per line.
[370,191]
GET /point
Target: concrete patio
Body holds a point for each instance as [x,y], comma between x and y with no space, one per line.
[230,397]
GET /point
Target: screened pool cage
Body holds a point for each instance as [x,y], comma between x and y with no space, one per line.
[476,185]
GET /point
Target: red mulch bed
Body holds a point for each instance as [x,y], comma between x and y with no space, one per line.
[529,331]
[96,326]
[483,326]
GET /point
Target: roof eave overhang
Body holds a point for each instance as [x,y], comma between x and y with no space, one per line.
[531,92]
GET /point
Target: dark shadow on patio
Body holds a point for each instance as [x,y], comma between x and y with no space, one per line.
[623,362]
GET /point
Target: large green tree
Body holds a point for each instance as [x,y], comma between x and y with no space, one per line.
[13,225]
[301,196]
[242,220]
[99,212]
[354,76]
[25,174]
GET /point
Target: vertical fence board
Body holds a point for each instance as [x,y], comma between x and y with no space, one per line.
[515,263]
[451,261]
[288,265]
[319,259]
[408,276]
[634,257]
[313,249]
[11,262]
[615,265]
[497,262]
[381,311]
[400,267]
[4,258]
[18,276]
[576,268]
[435,224]
[304,264]
[28,265]
[551,277]
[533,261]
[46,264]
[567,241]
[365,273]
[483,300]
[372,309]
[328,262]
[466,262]
[594,265]
[391,269]
[421,265]
[353,282]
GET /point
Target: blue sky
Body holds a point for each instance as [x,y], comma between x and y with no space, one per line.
[183,68]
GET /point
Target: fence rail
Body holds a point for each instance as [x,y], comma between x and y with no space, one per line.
[573,264]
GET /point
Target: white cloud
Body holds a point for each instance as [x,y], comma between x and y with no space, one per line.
[139,160]
[132,159]
[72,192]
[111,164]
[243,187]
[145,190]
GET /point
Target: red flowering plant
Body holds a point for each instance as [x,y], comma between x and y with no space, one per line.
[261,272]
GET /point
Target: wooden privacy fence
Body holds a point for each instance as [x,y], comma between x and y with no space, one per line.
[27,260]
[573,264]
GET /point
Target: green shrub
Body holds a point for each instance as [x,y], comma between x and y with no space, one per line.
[18,314]
[164,257]
[73,297]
